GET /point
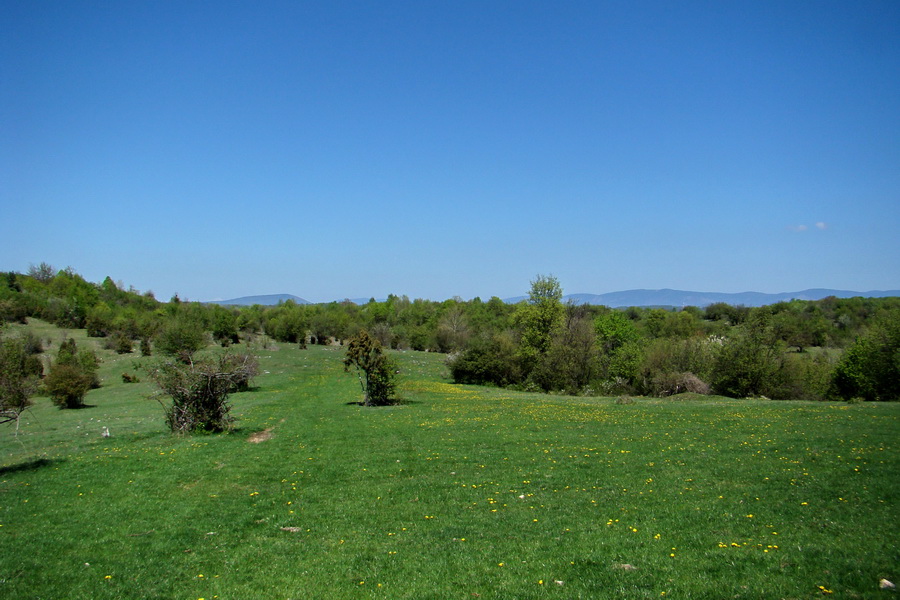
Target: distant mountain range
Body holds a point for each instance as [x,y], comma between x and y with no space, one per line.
[267,300]
[679,298]
[666,297]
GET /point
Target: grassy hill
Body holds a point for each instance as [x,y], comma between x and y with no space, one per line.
[462,492]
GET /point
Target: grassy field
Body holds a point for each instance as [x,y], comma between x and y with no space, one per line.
[462,492]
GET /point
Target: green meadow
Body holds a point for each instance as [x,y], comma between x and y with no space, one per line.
[459,492]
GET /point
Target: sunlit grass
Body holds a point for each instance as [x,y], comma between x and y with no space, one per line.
[460,492]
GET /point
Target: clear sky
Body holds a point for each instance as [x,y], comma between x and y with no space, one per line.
[355,149]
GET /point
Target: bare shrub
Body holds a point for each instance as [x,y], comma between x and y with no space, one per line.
[669,384]
[199,390]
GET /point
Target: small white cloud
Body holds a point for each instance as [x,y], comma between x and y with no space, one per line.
[798,228]
[821,225]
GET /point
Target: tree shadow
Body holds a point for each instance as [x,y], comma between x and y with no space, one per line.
[31,465]
[248,389]
[396,402]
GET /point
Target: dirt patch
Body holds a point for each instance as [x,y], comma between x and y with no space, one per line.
[260,436]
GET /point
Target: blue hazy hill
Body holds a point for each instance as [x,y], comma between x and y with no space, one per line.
[624,299]
[678,298]
[266,300]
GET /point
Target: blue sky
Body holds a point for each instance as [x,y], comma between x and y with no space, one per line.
[434,149]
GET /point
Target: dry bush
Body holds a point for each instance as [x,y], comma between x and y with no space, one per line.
[200,388]
[669,384]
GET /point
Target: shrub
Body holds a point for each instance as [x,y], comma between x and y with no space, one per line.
[224,326]
[623,363]
[67,385]
[750,363]
[199,390]
[696,355]
[376,371]
[31,343]
[181,338]
[18,380]
[487,361]
[571,361]
[129,378]
[119,342]
[870,368]
[84,361]
[805,376]
[669,384]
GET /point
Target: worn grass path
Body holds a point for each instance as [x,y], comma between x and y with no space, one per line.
[463,492]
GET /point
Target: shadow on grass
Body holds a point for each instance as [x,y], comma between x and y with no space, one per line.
[31,465]
[249,389]
[397,402]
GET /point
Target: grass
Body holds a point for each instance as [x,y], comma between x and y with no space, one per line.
[462,492]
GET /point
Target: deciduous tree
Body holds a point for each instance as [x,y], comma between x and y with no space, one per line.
[539,318]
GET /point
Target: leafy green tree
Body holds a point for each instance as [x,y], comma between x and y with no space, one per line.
[870,368]
[19,376]
[571,362]
[70,299]
[721,311]
[614,330]
[539,318]
[287,323]
[799,324]
[12,301]
[493,361]
[181,337]
[376,371]
[224,325]
[99,320]
[750,363]
[621,346]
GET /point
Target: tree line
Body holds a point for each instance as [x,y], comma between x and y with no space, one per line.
[826,349]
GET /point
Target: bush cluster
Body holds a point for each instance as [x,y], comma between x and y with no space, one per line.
[831,348]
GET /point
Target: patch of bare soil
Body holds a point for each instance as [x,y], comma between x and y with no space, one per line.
[260,436]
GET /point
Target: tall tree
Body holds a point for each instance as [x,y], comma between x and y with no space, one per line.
[540,317]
